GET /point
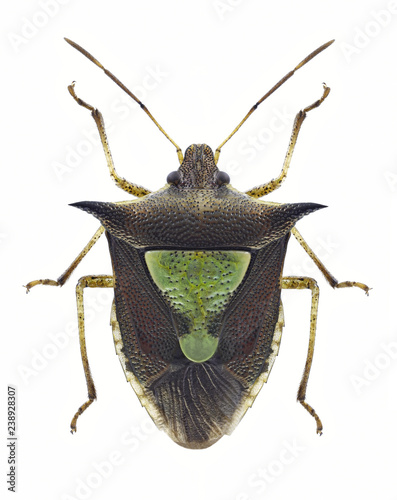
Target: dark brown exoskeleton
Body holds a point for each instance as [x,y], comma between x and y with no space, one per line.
[197,277]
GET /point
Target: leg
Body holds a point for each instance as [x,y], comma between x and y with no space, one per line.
[327,275]
[296,283]
[91,282]
[66,275]
[267,188]
[133,189]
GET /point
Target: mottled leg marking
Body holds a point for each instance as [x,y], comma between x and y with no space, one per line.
[122,183]
[301,283]
[84,282]
[66,275]
[327,275]
[267,188]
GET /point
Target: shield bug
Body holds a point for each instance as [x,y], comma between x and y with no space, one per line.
[197,278]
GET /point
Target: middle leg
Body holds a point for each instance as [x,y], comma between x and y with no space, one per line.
[327,275]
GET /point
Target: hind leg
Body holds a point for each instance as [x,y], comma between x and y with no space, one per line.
[84,282]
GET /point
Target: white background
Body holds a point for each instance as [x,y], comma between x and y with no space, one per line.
[213,60]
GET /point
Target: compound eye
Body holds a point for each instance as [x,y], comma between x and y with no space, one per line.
[173,177]
[222,178]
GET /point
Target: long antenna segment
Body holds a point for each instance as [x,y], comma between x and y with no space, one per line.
[273,89]
[122,86]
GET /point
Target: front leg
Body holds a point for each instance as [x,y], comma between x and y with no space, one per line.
[274,184]
[133,189]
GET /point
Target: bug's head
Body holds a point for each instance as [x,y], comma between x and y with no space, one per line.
[198,170]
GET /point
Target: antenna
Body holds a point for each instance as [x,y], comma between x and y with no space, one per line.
[273,89]
[121,85]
